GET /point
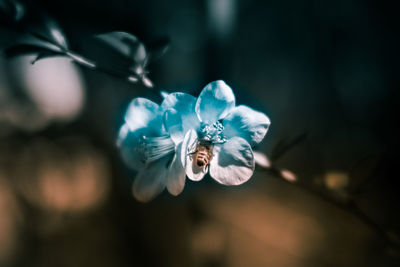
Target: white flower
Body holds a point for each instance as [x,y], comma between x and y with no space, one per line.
[228,132]
[189,136]
[147,147]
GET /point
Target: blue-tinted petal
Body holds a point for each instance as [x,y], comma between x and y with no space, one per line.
[247,123]
[188,149]
[182,102]
[150,181]
[176,175]
[173,125]
[185,116]
[138,150]
[214,102]
[128,143]
[143,113]
[232,162]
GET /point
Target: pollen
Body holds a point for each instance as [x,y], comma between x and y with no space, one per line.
[212,133]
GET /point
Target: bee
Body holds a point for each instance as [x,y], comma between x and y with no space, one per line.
[202,153]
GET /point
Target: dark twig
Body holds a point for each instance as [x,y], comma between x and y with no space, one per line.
[285,145]
[349,205]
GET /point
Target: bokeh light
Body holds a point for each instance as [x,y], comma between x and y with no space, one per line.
[69,177]
[55,85]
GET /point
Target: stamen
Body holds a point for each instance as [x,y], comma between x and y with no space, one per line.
[212,133]
[153,148]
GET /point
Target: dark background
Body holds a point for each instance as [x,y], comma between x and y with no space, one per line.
[326,70]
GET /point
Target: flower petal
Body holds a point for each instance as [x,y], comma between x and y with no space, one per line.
[247,123]
[214,102]
[232,162]
[182,102]
[150,181]
[143,113]
[176,175]
[183,117]
[127,142]
[137,149]
[188,148]
[173,124]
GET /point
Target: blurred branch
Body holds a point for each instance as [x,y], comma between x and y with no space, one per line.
[48,40]
[45,52]
[349,205]
[285,144]
[361,184]
[346,202]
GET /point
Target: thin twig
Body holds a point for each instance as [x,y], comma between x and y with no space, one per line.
[350,206]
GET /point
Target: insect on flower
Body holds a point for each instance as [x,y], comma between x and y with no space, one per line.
[185,136]
[202,153]
[217,136]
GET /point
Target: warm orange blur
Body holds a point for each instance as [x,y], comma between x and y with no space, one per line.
[9,221]
[57,180]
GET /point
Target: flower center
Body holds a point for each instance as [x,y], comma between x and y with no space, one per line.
[212,133]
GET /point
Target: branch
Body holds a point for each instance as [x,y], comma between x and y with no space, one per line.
[349,205]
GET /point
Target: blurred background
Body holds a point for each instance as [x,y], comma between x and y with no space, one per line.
[325,71]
